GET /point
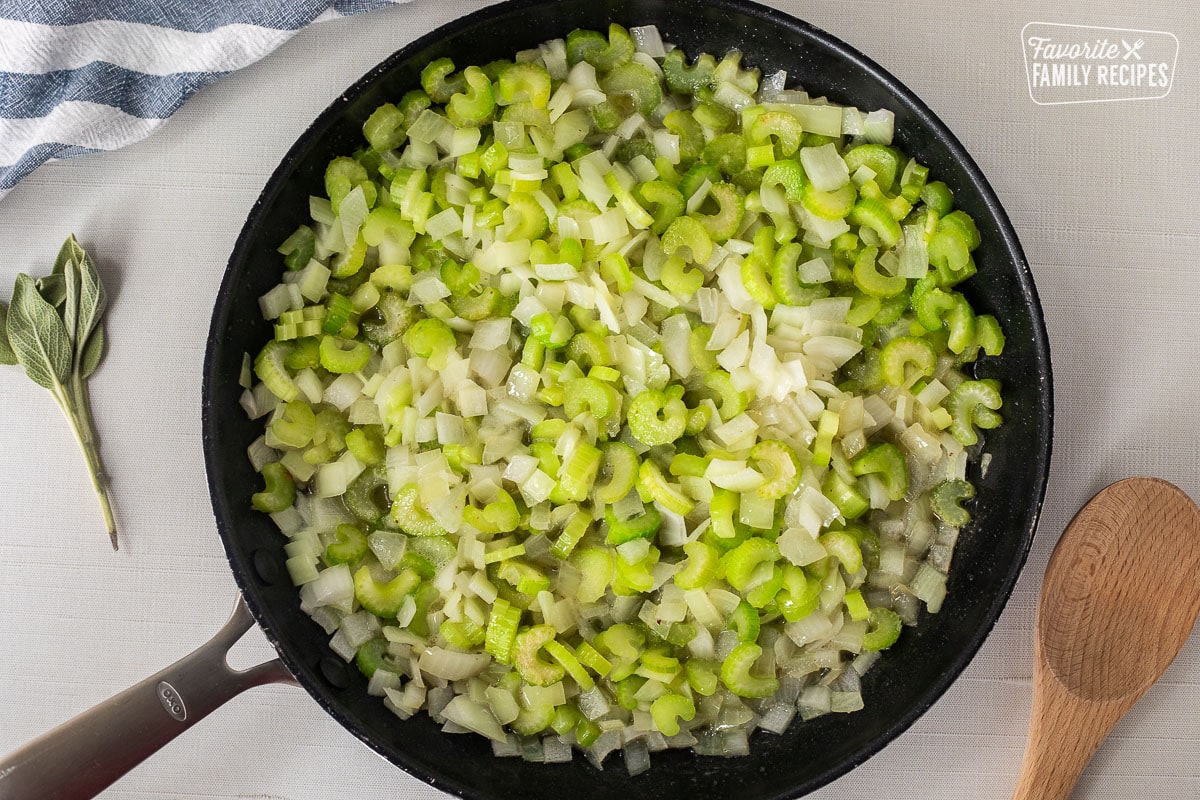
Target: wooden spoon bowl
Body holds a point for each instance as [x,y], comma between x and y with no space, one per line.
[1121,596]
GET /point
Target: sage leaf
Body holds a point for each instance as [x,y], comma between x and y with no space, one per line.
[70,251]
[54,330]
[93,353]
[38,336]
[7,356]
[92,298]
[53,288]
[82,310]
[70,305]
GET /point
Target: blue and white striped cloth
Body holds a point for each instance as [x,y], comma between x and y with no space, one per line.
[81,76]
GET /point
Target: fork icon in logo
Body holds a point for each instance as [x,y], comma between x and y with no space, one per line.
[1132,49]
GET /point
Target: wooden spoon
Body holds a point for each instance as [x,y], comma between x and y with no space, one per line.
[1121,595]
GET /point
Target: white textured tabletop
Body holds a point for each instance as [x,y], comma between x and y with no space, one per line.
[1102,195]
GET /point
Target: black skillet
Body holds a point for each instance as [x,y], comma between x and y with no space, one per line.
[910,677]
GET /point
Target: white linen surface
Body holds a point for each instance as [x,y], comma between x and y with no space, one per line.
[1102,195]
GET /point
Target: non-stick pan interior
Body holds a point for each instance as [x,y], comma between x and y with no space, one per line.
[910,676]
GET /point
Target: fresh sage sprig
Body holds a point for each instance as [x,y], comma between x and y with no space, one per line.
[53,329]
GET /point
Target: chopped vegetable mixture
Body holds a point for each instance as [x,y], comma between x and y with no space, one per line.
[621,400]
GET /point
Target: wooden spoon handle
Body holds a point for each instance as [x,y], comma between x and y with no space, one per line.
[1064,732]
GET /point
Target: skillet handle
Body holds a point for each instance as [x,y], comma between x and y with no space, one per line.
[82,757]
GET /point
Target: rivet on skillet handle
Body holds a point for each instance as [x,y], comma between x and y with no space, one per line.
[82,757]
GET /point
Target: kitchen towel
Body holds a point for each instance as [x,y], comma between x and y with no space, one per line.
[82,76]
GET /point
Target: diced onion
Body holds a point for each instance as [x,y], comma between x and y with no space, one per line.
[824,167]
[648,40]
[452,665]
[541,402]
[475,717]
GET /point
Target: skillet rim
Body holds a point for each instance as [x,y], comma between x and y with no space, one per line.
[1009,245]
